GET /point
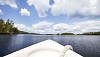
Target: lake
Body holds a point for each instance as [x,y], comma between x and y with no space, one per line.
[85,45]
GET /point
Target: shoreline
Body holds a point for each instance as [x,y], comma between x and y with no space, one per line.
[36,34]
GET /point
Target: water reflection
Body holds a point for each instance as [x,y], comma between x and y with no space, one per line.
[88,46]
[16,43]
[4,43]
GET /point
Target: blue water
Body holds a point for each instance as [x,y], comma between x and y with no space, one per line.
[85,45]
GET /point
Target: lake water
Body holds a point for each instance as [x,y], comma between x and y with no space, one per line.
[85,45]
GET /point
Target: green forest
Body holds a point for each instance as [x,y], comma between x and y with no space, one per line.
[7,27]
[91,33]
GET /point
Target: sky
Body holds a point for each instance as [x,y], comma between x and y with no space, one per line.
[52,16]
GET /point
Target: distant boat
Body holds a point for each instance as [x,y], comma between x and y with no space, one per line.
[47,48]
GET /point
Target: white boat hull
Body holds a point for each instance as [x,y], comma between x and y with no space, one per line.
[46,48]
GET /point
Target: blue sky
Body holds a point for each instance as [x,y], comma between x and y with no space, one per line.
[52,16]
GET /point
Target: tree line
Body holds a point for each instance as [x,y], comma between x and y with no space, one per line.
[91,33]
[7,27]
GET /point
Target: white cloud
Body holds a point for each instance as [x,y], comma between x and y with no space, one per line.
[49,27]
[24,12]
[86,26]
[86,8]
[21,27]
[72,7]
[42,6]
[61,26]
[1,13]
[42,25]
[11,3]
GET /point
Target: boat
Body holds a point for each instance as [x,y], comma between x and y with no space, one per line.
[47,48]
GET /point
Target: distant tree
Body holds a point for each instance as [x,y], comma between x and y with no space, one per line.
[57,34]
[1,25]
[91,33]
[64,34]
[8,27]
[15,30]
[11,29]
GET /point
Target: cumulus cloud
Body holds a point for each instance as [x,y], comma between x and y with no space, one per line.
[23,27]
[86,8]
[1,13]
[42,25]
[11,3]
[20,26]
[52,28]
[61,26]
[86,26]
[72,7]
[42,6]
[24,12]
